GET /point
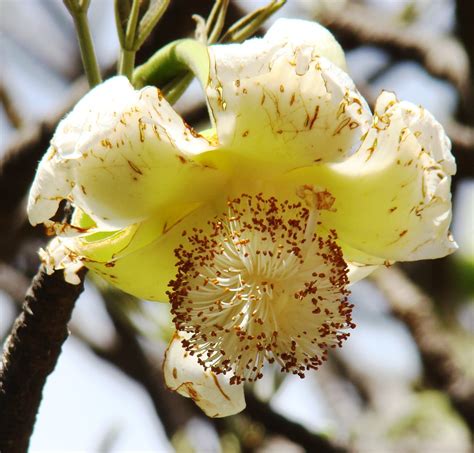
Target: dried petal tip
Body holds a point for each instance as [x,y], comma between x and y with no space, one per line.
[261,285]
[57,256]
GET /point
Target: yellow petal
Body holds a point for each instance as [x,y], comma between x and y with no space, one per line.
[212,393]
[392,197]
[140,259]
[278,104]
[359,271]
[120,155]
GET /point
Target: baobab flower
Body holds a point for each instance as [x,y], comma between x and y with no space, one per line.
[253,229]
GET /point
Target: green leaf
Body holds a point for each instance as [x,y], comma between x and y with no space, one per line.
[122,12]
[249,24]
[216,19]
[153,14]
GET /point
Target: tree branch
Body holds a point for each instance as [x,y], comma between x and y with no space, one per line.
[442,56]
[465,30]
[415,309]
[129,356]
[462,136]
[279,425]
[9,107]
[125,353]
[31,353]
[17,170]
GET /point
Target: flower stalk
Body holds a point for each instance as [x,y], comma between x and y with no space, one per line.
[249,24]
[175,59]
[172,68]
[133,27]
[128,51]
[78,12]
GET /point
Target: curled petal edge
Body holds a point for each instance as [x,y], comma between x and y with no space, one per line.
[212,393]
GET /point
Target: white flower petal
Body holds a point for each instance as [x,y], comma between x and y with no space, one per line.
[51,185]
[429,132]
[140,259]
[392,197]
[278,103]
[300,33]
[120,155]
[212,393]
[359,271]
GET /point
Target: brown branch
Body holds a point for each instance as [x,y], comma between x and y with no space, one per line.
[17,169]
[415,309]
[461,135]
[344,369]
[125,353]
[442,56]
[10,109]
[278,424]
[13,282]
[465,31]
[129,356]
[30,355]
[462,138]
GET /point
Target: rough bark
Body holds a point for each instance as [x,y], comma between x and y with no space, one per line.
[415,309]
[30,355]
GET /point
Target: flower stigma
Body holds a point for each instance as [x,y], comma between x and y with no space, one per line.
[260,284]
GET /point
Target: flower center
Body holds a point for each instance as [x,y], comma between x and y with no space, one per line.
[262,285]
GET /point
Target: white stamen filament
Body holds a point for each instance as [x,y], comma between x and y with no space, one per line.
[261,285]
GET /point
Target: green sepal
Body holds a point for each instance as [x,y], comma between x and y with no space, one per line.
[175,59]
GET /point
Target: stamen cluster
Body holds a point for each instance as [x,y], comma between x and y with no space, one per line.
[259,284]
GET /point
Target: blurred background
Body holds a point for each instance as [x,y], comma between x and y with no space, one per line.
[403,382]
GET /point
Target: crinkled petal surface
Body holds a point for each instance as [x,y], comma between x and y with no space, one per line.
[212,393]
[281,102]
[392,197]
[120,155]
[58,256]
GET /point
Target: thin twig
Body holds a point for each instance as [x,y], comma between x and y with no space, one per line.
[461,135]
[78,10]
[9,107]
[127,51]
[30,355]
[442,56]
[415,309]
[359,380]
[465,31]
[129,356]
[280,425]
[17,169]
